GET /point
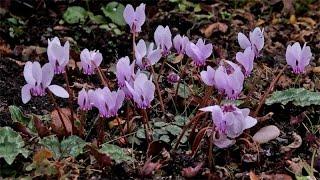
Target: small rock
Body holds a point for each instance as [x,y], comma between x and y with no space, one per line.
[266,134]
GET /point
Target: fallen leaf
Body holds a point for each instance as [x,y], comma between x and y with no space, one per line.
[253,176]
[308,20]
[103,159]
[266,134]
[218,26]
[155,148]
[41,129]
[284,81]
[297,142]
[191,172]
[275,177]
[178,58]
[56,123]
[42,155]
[316,70]
[293,19]
[115,122]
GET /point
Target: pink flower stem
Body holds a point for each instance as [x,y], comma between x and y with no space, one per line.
[146,125]
[58,110]
[159,92]
[70,99]
[269,90]
[193,120]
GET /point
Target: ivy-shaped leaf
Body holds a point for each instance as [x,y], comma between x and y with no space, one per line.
[184,91]
[115,152]
[18,116]
[11,145]
[75,14]
[180,120]
[71,146]
[173,129]
[298,96]
[165,138]
[114,11]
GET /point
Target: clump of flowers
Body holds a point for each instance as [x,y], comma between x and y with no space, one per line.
[229,123]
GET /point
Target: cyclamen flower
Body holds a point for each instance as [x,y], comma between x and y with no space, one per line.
[142,91]
[146,57]
[199,52]
[135,19]
[162,37]
[108,102]
[180,43]
[298,58]
[208,76]
[246,59]
[229,79]
[38,80]
[124,71]
[58,55]
[84,99]
[173,78]
[230,122]
[90,60]
[255,41]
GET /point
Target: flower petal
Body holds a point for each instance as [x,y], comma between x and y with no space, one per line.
[58,91]
[243,41]
[25,93]
[27,73]
[47,74]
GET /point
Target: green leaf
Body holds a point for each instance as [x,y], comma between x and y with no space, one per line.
[298,96]
[114,11]
[11,145]
[115,152]
[160,131]
[180,120]
[173,129]
[52,143]
[96,19]
[72,146]
[18,116]
[141,133]
[160,124]
[165,138]
[75,14]
[184,91]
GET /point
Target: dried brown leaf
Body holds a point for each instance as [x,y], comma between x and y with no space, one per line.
[191,172]
[297,142]
[218,26]
[149,167]
[56,122]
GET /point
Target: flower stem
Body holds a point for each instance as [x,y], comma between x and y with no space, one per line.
[58,110]
[182,74]
[194,119]
[210,155]
[70,99]
[269,90]
[146,125]
[159,92]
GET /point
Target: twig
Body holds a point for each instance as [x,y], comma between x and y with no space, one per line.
[159,92]
[269,90]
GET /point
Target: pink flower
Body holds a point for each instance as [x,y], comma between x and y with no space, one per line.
[90,60]
[146,57]
[229,79]
[255,41]
[208,76]
[162,38]
[298,58]
[124,71]
[230,122]
[246,59]
[58,55]
[108,102]
[135,19]
[173,78]
[38,80]
[142,90]
[84,99]
[199,52]
[180,43]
